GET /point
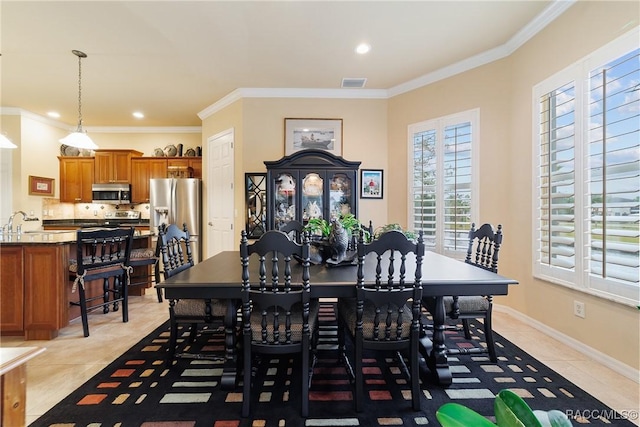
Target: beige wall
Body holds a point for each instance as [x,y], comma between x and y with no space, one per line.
[262,138]
[502,91]
[611,328]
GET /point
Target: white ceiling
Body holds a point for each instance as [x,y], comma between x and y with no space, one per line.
[173,59]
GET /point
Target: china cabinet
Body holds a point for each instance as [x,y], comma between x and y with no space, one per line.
[310,184]
[255,188]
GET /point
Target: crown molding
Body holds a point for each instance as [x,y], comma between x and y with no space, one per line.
[257,92]
[13,111]
[544,18]
[144,129]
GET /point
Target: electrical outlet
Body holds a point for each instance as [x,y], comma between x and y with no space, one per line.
[578,309]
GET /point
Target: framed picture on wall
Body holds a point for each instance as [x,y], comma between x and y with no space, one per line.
[40,186]
[319,134]
[371,183]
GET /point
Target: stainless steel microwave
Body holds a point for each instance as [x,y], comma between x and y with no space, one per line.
[115,194]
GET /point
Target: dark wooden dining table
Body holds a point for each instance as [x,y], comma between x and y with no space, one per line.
[220,277]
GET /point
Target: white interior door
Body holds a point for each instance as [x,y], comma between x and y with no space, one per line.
[220,185]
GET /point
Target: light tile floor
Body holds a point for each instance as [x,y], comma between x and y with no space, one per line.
[71,359]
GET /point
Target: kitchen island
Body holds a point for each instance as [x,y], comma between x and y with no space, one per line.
[35,285]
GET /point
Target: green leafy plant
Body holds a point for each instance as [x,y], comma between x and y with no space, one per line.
[322,227]
[393,226]
[510,411]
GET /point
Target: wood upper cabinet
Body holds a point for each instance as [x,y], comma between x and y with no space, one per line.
[76,178]
[114,166]
[195,163]
[142,170]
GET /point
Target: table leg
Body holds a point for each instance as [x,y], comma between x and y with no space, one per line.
[435,353]
[229,371]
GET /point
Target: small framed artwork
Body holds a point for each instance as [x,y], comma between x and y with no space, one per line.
[319,134]
[371,183]
[40,186]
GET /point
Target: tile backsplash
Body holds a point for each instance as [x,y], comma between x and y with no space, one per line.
[54,209]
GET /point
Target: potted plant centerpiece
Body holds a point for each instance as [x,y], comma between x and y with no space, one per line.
[334,241]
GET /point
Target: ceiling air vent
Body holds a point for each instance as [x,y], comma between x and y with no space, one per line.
[356,83]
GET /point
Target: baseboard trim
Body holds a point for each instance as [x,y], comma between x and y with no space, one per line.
[604,359]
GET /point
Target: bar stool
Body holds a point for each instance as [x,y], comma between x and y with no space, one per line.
[146,257]
[102,255]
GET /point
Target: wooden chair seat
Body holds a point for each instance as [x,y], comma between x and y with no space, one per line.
[296,323]
[197,308]
[349,313]
[466,304]
[139,253]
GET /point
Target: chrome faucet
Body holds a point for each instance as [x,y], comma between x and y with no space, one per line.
[24,218]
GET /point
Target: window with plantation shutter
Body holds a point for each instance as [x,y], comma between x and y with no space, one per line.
[588,174]
[442,183]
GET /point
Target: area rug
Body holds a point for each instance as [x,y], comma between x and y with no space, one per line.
[138,389]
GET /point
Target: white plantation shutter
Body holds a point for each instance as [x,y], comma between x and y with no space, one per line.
[588,182]
[457,186]
[557,177]
[442,185]
[614,169]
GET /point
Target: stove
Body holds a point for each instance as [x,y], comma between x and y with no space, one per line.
[122,215]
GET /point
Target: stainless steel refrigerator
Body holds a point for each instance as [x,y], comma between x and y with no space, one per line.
[178,201]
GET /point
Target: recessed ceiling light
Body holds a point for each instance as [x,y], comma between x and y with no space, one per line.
[138,115]
[53,115]
[363,48]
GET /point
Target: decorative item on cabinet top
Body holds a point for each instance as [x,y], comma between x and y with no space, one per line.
[69,151]
[173,151]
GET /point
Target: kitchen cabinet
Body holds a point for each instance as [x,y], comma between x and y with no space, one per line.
[195,163]
[11,289]
[33,285]
[114,166]
[142,170]
[76,178]
[36,287]
[310,184]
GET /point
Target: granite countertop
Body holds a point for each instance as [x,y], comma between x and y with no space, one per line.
[75,223]
[52,237]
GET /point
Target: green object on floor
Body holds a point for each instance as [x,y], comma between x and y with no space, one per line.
[510,411]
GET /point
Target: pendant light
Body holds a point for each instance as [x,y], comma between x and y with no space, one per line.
[6,142]
[79,138]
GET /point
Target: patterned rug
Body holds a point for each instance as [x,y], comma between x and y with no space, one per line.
[137,389]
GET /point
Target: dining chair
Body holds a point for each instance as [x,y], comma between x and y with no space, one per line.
[278,314]
[482,252]
[294,230]
[385,315]
[101,255]
[176,255]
